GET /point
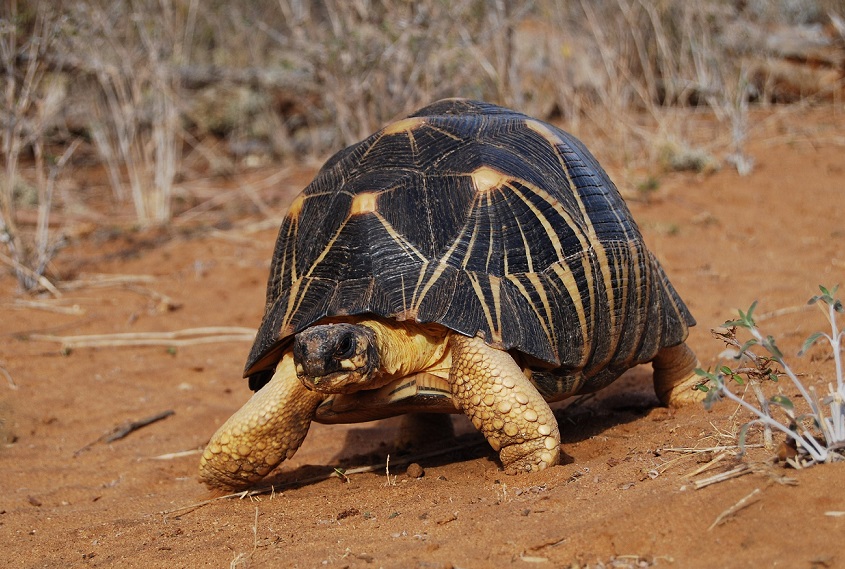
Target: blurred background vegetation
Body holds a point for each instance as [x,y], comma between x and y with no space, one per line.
[155,93]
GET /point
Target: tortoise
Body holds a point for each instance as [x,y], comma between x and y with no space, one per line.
[466,259]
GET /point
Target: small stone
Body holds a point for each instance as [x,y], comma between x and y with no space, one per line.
[415,470]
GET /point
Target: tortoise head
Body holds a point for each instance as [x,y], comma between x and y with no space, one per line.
[336,358]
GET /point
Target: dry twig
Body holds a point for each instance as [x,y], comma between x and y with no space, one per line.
[105,280]
[722,476]
[178,454]
[41,279]
[73,310]
[707,466]
[742,503]
[178,338]
[125,429]
[9,380]
[243,558]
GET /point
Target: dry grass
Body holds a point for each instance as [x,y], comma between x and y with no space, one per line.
[30,101]
[135,120]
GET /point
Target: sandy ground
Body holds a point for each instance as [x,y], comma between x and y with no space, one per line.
[622,497]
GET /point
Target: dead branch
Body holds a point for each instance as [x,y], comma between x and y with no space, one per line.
[21,304]
[41,279]
[721,477]
[125,429]
[178,338]
[742,503]
[9,380]
[105,280]
[132,426]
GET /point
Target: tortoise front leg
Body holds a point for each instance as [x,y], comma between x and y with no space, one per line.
[494,393]
[267,430]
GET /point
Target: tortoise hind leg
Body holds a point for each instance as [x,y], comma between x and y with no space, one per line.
[267,430]
[674,376]
[491,389]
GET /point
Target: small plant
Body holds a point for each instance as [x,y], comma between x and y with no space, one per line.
[816,436]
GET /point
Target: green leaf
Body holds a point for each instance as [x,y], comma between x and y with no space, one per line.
[773,376]
[745,320]
[809,342]
[748,316]
[829,293]
[772,347]
[726,370]
[827,296]
[782,401]
[738,379]
[706,374]
[743,348]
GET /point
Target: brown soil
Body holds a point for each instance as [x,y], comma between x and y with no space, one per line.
[620,499]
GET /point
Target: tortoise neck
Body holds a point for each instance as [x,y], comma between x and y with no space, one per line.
[407,347]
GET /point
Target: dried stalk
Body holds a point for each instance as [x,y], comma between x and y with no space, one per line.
[179,338]
[136,120]
[721,477]
[74,310]
[29,105]
[9,380]
[742,503]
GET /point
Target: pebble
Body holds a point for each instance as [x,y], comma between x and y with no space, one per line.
[415,471]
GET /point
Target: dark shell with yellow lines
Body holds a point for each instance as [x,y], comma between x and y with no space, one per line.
[485,221]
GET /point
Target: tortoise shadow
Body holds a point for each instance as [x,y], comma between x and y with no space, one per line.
[630,398]
[370,446]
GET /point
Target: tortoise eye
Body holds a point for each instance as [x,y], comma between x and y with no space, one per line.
[345,347]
